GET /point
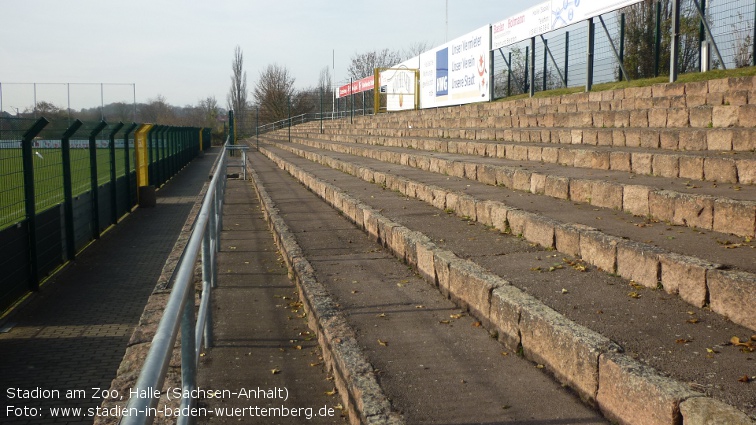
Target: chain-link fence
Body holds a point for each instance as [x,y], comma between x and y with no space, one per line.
[637,36]
[63,183]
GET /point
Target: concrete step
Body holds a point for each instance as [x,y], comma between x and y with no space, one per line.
[729,210]
[735,167]
[557,316]
[650,254]
[380,323]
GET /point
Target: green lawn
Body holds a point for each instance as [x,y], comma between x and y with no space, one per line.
[48,178]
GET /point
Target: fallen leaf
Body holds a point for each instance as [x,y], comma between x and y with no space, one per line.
[460,315]
[332,392]
[504,353]
[444,322]
[693,321]
[383,343]
[540,366]
[633,294]
[316,364]
[297,347]
[275,371]
[419,306]
[712,351]
[682,341]
[355,292]
[564,291]
[477,324]
[338,407]
[745,379]
[636,285]
[382,315]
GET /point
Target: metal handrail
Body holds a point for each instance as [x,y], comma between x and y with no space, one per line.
[307,117]
[179,312]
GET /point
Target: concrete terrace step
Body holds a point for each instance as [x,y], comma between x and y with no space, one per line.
[591,311]
[682,260]
[723,209]
[379,322]
[732,167]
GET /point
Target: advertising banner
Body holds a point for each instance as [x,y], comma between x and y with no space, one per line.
[549,16]
[400,85]
[358,86]
[457,72]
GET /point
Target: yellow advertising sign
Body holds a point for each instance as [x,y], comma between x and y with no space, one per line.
[142,154]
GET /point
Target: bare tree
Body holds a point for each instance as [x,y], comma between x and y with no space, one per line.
[273,92]
[415,49]
[237,95]
[364,64]
[743,42]
[157,111]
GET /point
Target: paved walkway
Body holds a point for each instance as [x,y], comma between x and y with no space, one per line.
[73,334]
[262,341]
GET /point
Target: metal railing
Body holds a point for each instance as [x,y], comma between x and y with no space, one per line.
[314,116]
[179,311]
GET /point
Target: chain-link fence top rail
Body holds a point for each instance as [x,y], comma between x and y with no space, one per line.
[731,23]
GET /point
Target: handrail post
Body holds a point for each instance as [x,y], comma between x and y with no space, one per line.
[188,356]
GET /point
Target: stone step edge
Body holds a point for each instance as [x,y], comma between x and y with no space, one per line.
[691,139]
[661,164]
[361,395]
[729,293]
[720,214]
[623,389]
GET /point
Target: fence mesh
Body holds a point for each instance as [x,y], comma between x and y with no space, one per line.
[731,23]
[12,201]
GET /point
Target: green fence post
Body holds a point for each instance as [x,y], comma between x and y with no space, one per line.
[126,162]
[150,157]
[113,178]
[27,156]
[65,146]
[622,43]
[94,179]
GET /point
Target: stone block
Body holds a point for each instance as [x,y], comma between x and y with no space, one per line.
[439,198]
[733,295]
[744,140]
[700,116]
[721,170]
[557,187]
[537,183]
[669,139]
[649,138]
[487,174]
[567,238]
[735,217]
[566,157]
[425,263]
[641,162]
[507,303]
[666,165]
[638,118]
[724,116]
[677,117]
[534,153]
[570,351]
[517,220]
[483,212]
[505,177]
[694,211]
[620,161]
[736,97]
[471,287]
[635,200]
[370,221]
[639,262]
[691,167]
[471,171]
[499,213]
[708,411]
[719,140]
[580,190]
[618,137]
[632,393]
[521,180]
[441,263]
[747,115]
[632,138]
[606,194]
[582,158]
[661,204]
[657,117]
[600,250]
[685,276]
[550,155]
[693,140]
[540,230]
[746,170]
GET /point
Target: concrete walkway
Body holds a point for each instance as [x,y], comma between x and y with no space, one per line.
[264,355]
[73,334]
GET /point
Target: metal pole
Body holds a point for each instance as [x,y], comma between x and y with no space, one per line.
[351,99]
[589,70]
[701,38]
[289,104]
[94,176]
[102,102]
[674,56]
[566,57]
[65,146]
[545,61]
[321,110]
[133,86]
[68,99]
[257,127]
[35,100]
[27,156]
[657,40]
[532,66]
[753,39]
[622,42]
[113,190]
[509,75]
[527,70]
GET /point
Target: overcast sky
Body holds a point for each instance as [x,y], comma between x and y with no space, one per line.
[183,49]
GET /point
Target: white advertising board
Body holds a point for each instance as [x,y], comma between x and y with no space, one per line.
[529,23]
[400,84]
[549,16]
[456,72]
